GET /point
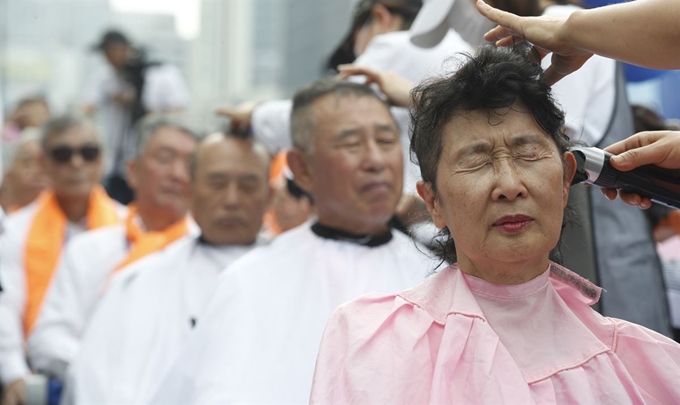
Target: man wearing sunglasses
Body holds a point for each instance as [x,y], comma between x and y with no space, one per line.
[35,235]
[159,176]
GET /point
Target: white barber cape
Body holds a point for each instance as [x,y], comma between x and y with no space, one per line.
[143,320]
[258,339]
[88,262]
[13,297]
[393,52]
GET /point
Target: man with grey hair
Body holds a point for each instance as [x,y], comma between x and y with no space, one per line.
[151,308]
[159,176]
[35,236]
[257,340]
[24,178]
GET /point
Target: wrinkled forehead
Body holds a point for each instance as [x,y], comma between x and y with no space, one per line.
[336,112]
[80,134]
[506,127]
[234,157]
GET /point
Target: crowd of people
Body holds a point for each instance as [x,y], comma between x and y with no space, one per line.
[406,231]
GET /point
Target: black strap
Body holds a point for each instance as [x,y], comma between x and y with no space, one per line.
[327,232]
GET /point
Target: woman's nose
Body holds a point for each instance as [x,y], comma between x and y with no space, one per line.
[509,184]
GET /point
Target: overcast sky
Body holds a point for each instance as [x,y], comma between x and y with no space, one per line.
[186,12]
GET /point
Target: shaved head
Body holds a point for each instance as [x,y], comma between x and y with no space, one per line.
[230,188]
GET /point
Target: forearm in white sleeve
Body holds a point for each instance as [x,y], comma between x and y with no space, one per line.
[13,364]
[271,124]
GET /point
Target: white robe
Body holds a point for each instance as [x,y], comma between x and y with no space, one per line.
[143,320]
[13,298]
[258,339]
[77,286]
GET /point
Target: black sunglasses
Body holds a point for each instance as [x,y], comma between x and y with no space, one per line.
[64,154]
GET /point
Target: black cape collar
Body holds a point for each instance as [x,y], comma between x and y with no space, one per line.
[327,232]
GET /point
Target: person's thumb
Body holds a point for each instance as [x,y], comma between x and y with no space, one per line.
[628,160]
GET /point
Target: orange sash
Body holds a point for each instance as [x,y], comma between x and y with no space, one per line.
[46,238]
[144,243]
[672,221]
[276,173]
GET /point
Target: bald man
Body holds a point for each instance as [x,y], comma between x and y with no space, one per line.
[152,306]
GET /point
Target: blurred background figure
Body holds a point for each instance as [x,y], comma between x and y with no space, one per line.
[159,176]
[30,112]
[163,296]
[31,247]
[291,205]
[122,92]
[24,176]
[665,224]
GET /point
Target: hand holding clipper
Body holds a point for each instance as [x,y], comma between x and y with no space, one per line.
[659,185]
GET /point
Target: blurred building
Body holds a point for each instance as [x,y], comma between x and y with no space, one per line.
[313,29]
[262,49]
[44,46]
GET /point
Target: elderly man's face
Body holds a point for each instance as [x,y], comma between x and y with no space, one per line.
[356,167]
[73,161]
[230,191]
[160,176]
[26,174]
[501,187]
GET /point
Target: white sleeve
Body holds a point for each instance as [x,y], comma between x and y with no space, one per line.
[165,89]
[12,303]
[271,124]
[100,86]
[411,170]
[586,96]
[381,54]
[89,375]
[55,339]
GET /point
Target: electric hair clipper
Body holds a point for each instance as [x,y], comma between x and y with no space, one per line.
[660,185]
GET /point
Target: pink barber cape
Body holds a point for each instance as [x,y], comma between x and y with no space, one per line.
[457,339]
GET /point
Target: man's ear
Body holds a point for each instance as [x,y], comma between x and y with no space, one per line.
[298,162]
[381,16]
[42,162]
[271,193]
[427,194]
[131,173]
[569,173]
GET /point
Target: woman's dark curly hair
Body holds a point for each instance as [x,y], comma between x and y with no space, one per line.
[492,80]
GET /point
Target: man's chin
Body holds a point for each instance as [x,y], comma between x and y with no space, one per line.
[75,191]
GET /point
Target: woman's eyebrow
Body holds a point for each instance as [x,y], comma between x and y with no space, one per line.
[474,149]
[526,139]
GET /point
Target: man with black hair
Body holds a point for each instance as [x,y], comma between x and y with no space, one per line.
[378,38]
[125,90]
[258,338]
